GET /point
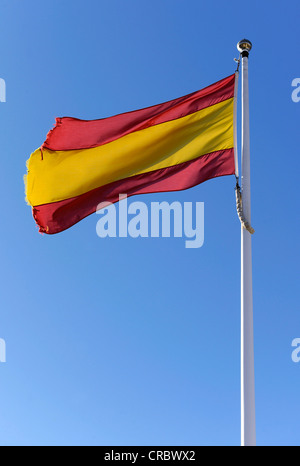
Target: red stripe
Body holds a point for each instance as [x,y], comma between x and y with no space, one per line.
[58,216]
[73,134]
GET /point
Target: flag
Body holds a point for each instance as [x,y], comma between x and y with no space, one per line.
[167,147]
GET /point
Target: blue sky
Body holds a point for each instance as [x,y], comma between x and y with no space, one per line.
[137,341]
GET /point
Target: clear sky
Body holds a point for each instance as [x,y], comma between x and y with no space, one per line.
[125,341]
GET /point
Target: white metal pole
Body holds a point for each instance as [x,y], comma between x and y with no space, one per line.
[248,433]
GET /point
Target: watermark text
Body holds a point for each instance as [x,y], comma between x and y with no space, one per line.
[296,91]
[2,350]
[296,351]
[161,219]
[2,90]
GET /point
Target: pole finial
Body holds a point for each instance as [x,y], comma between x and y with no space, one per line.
[244,45]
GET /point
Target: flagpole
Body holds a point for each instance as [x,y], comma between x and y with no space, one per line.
[248,434]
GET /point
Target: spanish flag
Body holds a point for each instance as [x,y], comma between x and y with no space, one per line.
[167,147]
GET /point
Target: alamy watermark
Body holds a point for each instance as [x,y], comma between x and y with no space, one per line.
[2,350]
[296,91]
[161,219]
[2,90]
[296,351]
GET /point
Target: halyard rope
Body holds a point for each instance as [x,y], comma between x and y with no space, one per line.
[239,208]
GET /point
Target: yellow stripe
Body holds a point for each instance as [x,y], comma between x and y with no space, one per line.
[65,174]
